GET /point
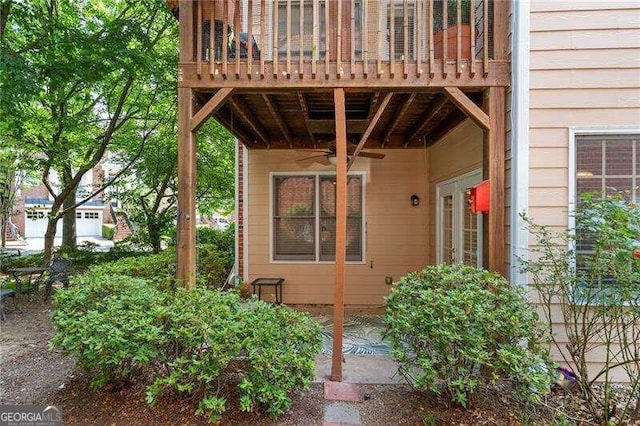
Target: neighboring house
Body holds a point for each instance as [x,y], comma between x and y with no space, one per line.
[34,203]
[541,98]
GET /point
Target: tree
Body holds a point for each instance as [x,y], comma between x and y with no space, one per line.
[78,79]
[11,177]
[151,201]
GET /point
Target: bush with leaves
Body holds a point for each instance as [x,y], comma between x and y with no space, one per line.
[215,333]
[597,294]
[112,324]
[189,341]
[456,328]
[213,265]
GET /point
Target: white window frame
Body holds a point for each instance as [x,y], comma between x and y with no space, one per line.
[317,175]
[458,190]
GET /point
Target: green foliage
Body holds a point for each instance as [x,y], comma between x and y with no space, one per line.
[108,231]
[222,239]
[112,324]
[81,78]
[596,292]
[158,269]
[463,327]
[190,341]
[213,265]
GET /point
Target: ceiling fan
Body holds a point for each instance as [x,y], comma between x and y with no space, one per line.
[328,156]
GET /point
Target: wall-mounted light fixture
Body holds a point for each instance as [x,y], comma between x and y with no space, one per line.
[415,200]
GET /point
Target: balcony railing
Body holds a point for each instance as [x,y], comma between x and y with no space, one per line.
[339,38]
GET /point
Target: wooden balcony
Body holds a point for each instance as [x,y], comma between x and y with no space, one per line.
[292,44]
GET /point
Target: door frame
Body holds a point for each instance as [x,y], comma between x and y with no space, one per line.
[457,187]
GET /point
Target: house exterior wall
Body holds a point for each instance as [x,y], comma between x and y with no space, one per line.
[584,73]
[396,239]
[458,152]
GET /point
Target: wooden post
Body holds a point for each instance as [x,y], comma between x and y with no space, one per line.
[341,233]
[186,250]
[186,246]
[494,170]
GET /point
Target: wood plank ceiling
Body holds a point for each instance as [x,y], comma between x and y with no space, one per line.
[305,119]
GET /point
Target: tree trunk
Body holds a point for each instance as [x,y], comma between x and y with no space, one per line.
[3,228]
[69,222]
[49,237]
[154,234]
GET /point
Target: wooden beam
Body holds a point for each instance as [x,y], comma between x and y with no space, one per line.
[426,118]
[186,241]
[341,233]
[403,109]
[186,30]
[278,119]
[236,129]
[494,144]
[495,73]
[243,111]
[472,110]
[370,127]
[449,123]
[500,30]
[209,108]
[305,115]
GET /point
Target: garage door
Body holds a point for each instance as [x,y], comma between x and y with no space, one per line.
[35,224]
[88,223]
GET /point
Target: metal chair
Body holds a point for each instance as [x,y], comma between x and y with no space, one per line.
[59,269]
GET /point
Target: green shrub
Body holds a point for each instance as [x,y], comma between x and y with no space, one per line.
[188,340]
[589,276]
[222,239]
[108,231]
[157,268]
[456,328]
[213,265]
[112,324]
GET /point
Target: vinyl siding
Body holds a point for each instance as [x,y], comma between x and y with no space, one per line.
[585,72]
[396,236]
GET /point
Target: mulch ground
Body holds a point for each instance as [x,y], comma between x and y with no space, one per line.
[32,374]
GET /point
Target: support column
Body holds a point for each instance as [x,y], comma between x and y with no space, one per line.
[341,233]
[494,170]
[186,250]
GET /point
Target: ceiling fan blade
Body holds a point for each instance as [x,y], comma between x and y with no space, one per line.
[370,155]
[313,157]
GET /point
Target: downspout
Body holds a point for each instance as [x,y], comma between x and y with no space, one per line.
[237,207]
[519,138]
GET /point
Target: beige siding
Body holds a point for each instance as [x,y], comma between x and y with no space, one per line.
[396,236]
[585,72]
[459,152]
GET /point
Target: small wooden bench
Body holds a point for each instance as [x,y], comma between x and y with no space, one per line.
[4,294]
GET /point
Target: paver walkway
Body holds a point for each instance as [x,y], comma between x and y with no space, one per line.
[342,400]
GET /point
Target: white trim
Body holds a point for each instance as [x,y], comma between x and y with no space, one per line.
[458,186]
[245,213]
[363,176]
[519,237]
[237,206]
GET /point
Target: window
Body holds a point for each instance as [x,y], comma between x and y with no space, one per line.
[304,217]
[35,215]
[605,164]
[92,215]
[78,215]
